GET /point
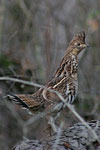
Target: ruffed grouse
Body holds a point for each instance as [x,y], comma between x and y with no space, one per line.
[64,81]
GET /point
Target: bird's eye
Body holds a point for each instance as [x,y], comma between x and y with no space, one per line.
[78,44]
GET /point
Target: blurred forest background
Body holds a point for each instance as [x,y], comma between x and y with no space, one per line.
[34,35]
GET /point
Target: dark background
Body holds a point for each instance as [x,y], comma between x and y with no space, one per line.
[34,35]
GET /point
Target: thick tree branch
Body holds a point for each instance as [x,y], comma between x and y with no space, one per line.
[76,137]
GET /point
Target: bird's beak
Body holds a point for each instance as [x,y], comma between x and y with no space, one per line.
[84,45]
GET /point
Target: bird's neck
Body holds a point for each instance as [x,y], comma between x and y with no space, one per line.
[68,66]
[73,67]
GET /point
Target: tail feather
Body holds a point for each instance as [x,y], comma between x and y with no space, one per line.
[17,100]
[26,101]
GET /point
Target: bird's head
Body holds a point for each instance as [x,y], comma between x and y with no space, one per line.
[78,43]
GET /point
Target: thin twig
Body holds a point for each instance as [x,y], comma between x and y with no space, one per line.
[25,9]
[22,81]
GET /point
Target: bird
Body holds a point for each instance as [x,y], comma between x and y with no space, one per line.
[64,81]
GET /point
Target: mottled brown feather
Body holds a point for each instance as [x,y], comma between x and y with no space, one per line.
[64,80]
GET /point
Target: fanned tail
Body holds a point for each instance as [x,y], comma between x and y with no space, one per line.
[17,100]
[26,101]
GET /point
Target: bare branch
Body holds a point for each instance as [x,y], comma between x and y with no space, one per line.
[21,81]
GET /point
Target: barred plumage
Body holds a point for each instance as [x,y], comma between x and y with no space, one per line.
[64,80]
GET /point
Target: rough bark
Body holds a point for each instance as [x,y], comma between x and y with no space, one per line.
[77,137]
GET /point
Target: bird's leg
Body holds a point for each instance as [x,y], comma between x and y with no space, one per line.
[52,120]
[58,114]
[52,124]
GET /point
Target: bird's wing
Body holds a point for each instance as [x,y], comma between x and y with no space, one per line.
[56,85]
[65,86]
[63,67]
[54,81]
